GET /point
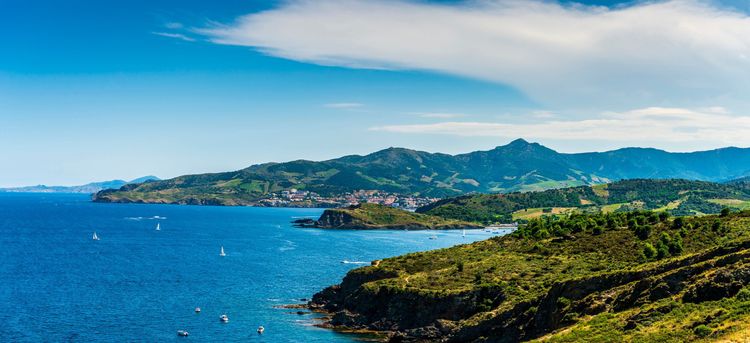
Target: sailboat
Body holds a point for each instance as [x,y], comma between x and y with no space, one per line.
[95,237]
[222,251]
[464,233]
[158,227]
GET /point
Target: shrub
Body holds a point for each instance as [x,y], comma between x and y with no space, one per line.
[648,250]
[642,232]
[743,295]
[725,212]
[678,223]
[702,330]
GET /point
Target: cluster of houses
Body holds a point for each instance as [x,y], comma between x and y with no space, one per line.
[303,198]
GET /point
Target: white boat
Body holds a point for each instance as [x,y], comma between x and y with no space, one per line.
[197,310]
[222,253]
[182,333]
[433,237]
[261,329]
[223,318]
[95,237]
[158,227]
[464,233]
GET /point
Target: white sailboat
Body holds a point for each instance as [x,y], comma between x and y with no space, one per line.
[158,227]
[95,237]
[222,251]
[464,233]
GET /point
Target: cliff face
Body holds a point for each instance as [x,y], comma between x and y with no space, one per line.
[658,301]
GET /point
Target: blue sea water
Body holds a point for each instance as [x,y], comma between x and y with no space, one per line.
[137,284]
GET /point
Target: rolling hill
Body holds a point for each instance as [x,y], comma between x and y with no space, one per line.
[518,166]
[676,196]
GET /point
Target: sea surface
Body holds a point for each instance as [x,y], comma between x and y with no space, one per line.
[137,284]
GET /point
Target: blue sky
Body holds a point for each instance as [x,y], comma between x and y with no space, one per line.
[92,90]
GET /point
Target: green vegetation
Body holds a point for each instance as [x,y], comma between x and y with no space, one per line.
[582,278]
[677,197]
[372,216]
[518,166]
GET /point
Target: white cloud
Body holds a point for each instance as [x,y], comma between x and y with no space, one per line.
[344,105]
[441,115]
[665,52]
[653,124]
[175,35]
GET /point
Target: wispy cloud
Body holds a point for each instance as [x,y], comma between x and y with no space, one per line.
[174,25]
[651,52]
[344,105]
[175,35]
[442,115]
[653,124]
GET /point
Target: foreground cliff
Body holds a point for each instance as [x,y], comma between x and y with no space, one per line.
[620,277]
[373,216]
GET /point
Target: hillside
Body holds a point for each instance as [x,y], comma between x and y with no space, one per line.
[88,188]
[372,216]
[678,197]
[518,166]
[641,277]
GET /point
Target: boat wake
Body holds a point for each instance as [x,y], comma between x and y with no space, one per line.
[354,262]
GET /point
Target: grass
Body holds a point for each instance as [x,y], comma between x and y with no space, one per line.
[521,269]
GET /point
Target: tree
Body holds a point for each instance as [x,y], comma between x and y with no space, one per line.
[678,223]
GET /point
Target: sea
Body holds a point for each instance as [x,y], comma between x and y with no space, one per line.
[137,284]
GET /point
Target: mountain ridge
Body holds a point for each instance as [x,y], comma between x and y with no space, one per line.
[89,188]
[517,166]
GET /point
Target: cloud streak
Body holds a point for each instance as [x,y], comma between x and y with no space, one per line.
[654,124]
[175,35]
[654,52]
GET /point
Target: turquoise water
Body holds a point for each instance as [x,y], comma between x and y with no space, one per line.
[139,284]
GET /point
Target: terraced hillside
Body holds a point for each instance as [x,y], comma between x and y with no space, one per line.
[641,277]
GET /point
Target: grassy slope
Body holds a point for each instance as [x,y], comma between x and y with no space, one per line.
[378,216]
[680,197]
[524,269]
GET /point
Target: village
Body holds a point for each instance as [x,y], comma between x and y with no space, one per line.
[302,198]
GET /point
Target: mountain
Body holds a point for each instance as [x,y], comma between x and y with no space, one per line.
[676,196]
[518,166]
[88,188]
[617,277]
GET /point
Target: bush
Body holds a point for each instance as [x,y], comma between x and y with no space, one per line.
[649,251]
[702,331]
[643,232]
[743,295]
[725,212]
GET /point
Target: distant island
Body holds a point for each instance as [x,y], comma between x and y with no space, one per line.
[419,178]
[89,188]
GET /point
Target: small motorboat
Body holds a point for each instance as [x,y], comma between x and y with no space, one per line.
[182,333]
[261,329]
[197,310]
[433,237]
[223,318]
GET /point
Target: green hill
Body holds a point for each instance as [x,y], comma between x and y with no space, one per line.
[678,197]
[372,216]
[518,166]
[635,277]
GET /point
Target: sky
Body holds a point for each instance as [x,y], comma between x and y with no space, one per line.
[93,90]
